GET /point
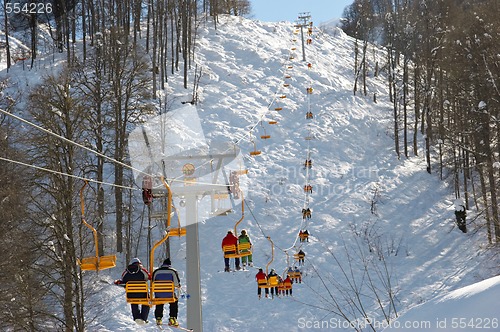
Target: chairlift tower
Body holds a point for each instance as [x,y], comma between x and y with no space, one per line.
[194,167]
[191,192]
[304,20]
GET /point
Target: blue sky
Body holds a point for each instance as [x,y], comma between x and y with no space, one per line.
[288,10]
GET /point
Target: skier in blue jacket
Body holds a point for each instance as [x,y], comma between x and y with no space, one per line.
[167,273]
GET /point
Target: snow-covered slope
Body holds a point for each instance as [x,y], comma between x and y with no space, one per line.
[371,212]
[473,307]
[244,67]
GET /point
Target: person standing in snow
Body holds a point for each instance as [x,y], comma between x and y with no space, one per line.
[230,240]
[460,215]
[244,238]
[167,273]
[136,272]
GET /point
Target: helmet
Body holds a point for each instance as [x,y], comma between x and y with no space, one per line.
[243,232]
[229,232]
[135,260]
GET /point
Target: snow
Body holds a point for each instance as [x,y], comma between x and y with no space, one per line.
[482,105]
[468,308]
[372,212]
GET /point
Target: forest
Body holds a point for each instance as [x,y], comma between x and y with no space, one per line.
[443,65]
[119,55]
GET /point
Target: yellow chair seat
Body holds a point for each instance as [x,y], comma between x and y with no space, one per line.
[133,287]
[163,287]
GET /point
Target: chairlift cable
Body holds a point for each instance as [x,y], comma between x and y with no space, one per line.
[66,174]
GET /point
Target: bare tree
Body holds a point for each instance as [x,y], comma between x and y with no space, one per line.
[53,105]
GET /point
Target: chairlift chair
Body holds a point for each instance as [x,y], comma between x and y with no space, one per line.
[255,152]
[94,263]
[266,135]
[242,249]
[137,292]
[272,281]
[160,291]
[294,274]
[163,292]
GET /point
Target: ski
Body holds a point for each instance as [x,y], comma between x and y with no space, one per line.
[160,327]
[180,328]
[234,270]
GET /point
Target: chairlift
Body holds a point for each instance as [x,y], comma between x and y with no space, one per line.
[294,273]
[161,291]
[147,189]
[272,281]
[94,263]
[304,235]
[173,231]
[221,209]
[255,152]
[308,188]
[242,249]
[266,135]
[299,257]
[309,137]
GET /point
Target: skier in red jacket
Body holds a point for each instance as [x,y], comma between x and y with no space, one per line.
[230,240]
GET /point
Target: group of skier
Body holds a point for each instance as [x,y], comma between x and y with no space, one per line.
[273,281]
[136,272]
[231,240]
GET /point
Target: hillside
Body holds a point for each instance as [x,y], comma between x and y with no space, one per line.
[468,308]
[372,214]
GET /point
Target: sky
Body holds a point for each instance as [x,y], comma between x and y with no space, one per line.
[288,10]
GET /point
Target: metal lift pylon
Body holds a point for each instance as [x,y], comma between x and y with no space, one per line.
[190,193]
